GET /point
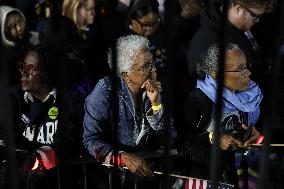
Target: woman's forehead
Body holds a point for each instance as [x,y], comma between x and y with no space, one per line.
[143,52]
[151,16]
[235,57]
[13,16]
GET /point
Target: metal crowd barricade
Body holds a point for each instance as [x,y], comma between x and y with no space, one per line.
[111,168]
[214,158]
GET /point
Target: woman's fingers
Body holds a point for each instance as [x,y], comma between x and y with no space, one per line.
[136,164]
[152,85]
[254,137]
[244,126]
[147,171]
[144,171]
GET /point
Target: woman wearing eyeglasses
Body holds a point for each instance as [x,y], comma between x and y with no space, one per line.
[42,137]
[241,100]
[143,18]
[140,124]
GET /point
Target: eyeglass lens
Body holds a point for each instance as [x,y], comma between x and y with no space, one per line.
[28,68]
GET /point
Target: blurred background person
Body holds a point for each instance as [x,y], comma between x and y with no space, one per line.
[43,11]
[143,19]
[90,44]
[82,13]
[185,23]
[15,36]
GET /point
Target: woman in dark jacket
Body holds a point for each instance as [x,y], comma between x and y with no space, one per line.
[144,19]
[241,99]
[46,121]
[216,26]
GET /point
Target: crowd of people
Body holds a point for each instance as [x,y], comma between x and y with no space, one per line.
[91,84]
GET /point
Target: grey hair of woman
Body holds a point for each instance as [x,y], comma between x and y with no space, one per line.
[127,48]
[209,59]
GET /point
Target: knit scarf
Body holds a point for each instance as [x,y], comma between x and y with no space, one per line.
[245,101]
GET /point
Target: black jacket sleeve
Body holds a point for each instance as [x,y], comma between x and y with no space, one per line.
[197,114]
[68,139]
[195,145]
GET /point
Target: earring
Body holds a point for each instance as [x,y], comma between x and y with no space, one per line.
[126,79]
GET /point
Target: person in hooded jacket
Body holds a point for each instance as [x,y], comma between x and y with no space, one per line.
[15,36]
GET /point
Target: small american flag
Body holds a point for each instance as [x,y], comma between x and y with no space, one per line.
[193,183]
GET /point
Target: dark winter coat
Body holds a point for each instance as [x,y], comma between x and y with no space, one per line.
[195,147]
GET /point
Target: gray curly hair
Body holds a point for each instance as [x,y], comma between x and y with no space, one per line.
[209,59]
[126,49]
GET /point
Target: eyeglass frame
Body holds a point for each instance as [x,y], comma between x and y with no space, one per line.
[23,67]
[147,26]
[256,18]
[146,67]
[243,70]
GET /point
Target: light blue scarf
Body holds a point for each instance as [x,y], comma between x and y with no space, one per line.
[245,101]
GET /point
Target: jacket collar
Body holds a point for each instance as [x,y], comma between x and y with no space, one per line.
[126,96]
[29,97]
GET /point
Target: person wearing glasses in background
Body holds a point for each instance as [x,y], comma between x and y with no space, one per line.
[143,19]
[141,123]
[42,136]
[14,37]
[238,19]
[241,109]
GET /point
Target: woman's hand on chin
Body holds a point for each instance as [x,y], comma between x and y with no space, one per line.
[153,89]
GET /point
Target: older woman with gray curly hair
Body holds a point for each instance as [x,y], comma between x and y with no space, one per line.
[240,94]
[241,101]
[140,125]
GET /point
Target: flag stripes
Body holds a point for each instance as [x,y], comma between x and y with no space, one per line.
[194,183]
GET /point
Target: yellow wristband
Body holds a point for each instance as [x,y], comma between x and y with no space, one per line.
[157,108]
[211,136]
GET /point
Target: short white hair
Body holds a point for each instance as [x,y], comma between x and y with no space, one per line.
[127,48]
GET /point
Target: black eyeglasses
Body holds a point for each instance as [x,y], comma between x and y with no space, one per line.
[28,69]
[147,67]
[243,70]
[256,18]
[147,26]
